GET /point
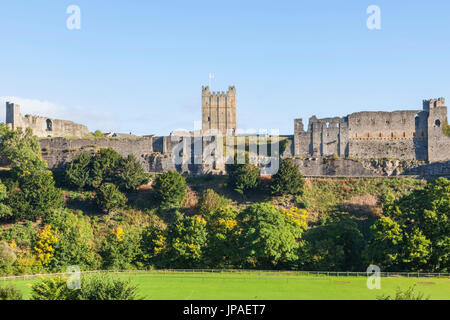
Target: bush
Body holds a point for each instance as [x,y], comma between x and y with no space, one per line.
[288,179]
[101,287]
[7,255]
[77,172]
[5,211]
[407,294]
[244,177]
[10,293]
[212,202]
[109,197]
[170,188]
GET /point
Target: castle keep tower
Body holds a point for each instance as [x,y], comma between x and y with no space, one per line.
[219,111]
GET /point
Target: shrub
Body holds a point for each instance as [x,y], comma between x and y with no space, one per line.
[243,178]
[10,293]
[103,287]
[407,294]
[7,255]
[212,202]
[170,188]
[5,211]
[77,172]
[288,179]
[109,197]
[54,288]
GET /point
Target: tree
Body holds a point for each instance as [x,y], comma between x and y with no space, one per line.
[186,241]
[384,248]
[75,244]
[268,237]
[37,196]
[131,174]
[98,134]
[105,166]
[21,148]
[243,178]
[78,171]
[10,293]
[426,216]
[222,238]
[336,246]
[170,188]
[288,179]
[109,197]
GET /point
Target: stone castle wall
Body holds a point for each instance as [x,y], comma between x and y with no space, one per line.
[405,135]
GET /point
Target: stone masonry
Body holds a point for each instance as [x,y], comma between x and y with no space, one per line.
[219,111]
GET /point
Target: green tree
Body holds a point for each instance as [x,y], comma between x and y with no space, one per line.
[335,246]
[10,293]
[384,248]
[21,148]
[131,173]
[109,197]
[120,250]
[222,238]
[98,134]
[425,214]
[78,171]
[288,179]
[105,166]
[268,238]
[170,188]
[186,238]
[76,245]
[37,197]
[244,178]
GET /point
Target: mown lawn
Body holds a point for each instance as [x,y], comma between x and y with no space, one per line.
[182,286]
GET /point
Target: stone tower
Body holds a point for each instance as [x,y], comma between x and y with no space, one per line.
[13,115]
[438,143]
[219,111]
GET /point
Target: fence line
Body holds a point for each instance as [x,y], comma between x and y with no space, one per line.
[241,271]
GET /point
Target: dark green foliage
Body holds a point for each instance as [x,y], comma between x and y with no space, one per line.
[131,174]
[288,179]
[37,196]
[170,188]
[336,246]
[10,293]
[424,217]
[78,172]
[54,288]
[243,178]
[267,239]
[109,197]
[105,166]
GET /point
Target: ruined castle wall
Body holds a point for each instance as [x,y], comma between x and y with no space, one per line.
[438,143]
[57,151]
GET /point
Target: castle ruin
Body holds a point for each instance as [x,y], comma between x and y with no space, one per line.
[42,126]
[404,135]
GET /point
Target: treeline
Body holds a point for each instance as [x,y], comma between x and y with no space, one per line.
[42,234]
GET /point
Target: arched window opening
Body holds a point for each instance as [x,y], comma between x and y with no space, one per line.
[49,125]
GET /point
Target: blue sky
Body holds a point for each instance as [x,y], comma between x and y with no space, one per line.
[139,65]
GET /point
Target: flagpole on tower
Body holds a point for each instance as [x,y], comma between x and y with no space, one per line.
[211,76]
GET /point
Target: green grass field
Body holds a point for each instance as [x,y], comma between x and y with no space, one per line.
[222,286]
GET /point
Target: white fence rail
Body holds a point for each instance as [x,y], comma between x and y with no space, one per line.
[240,271]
